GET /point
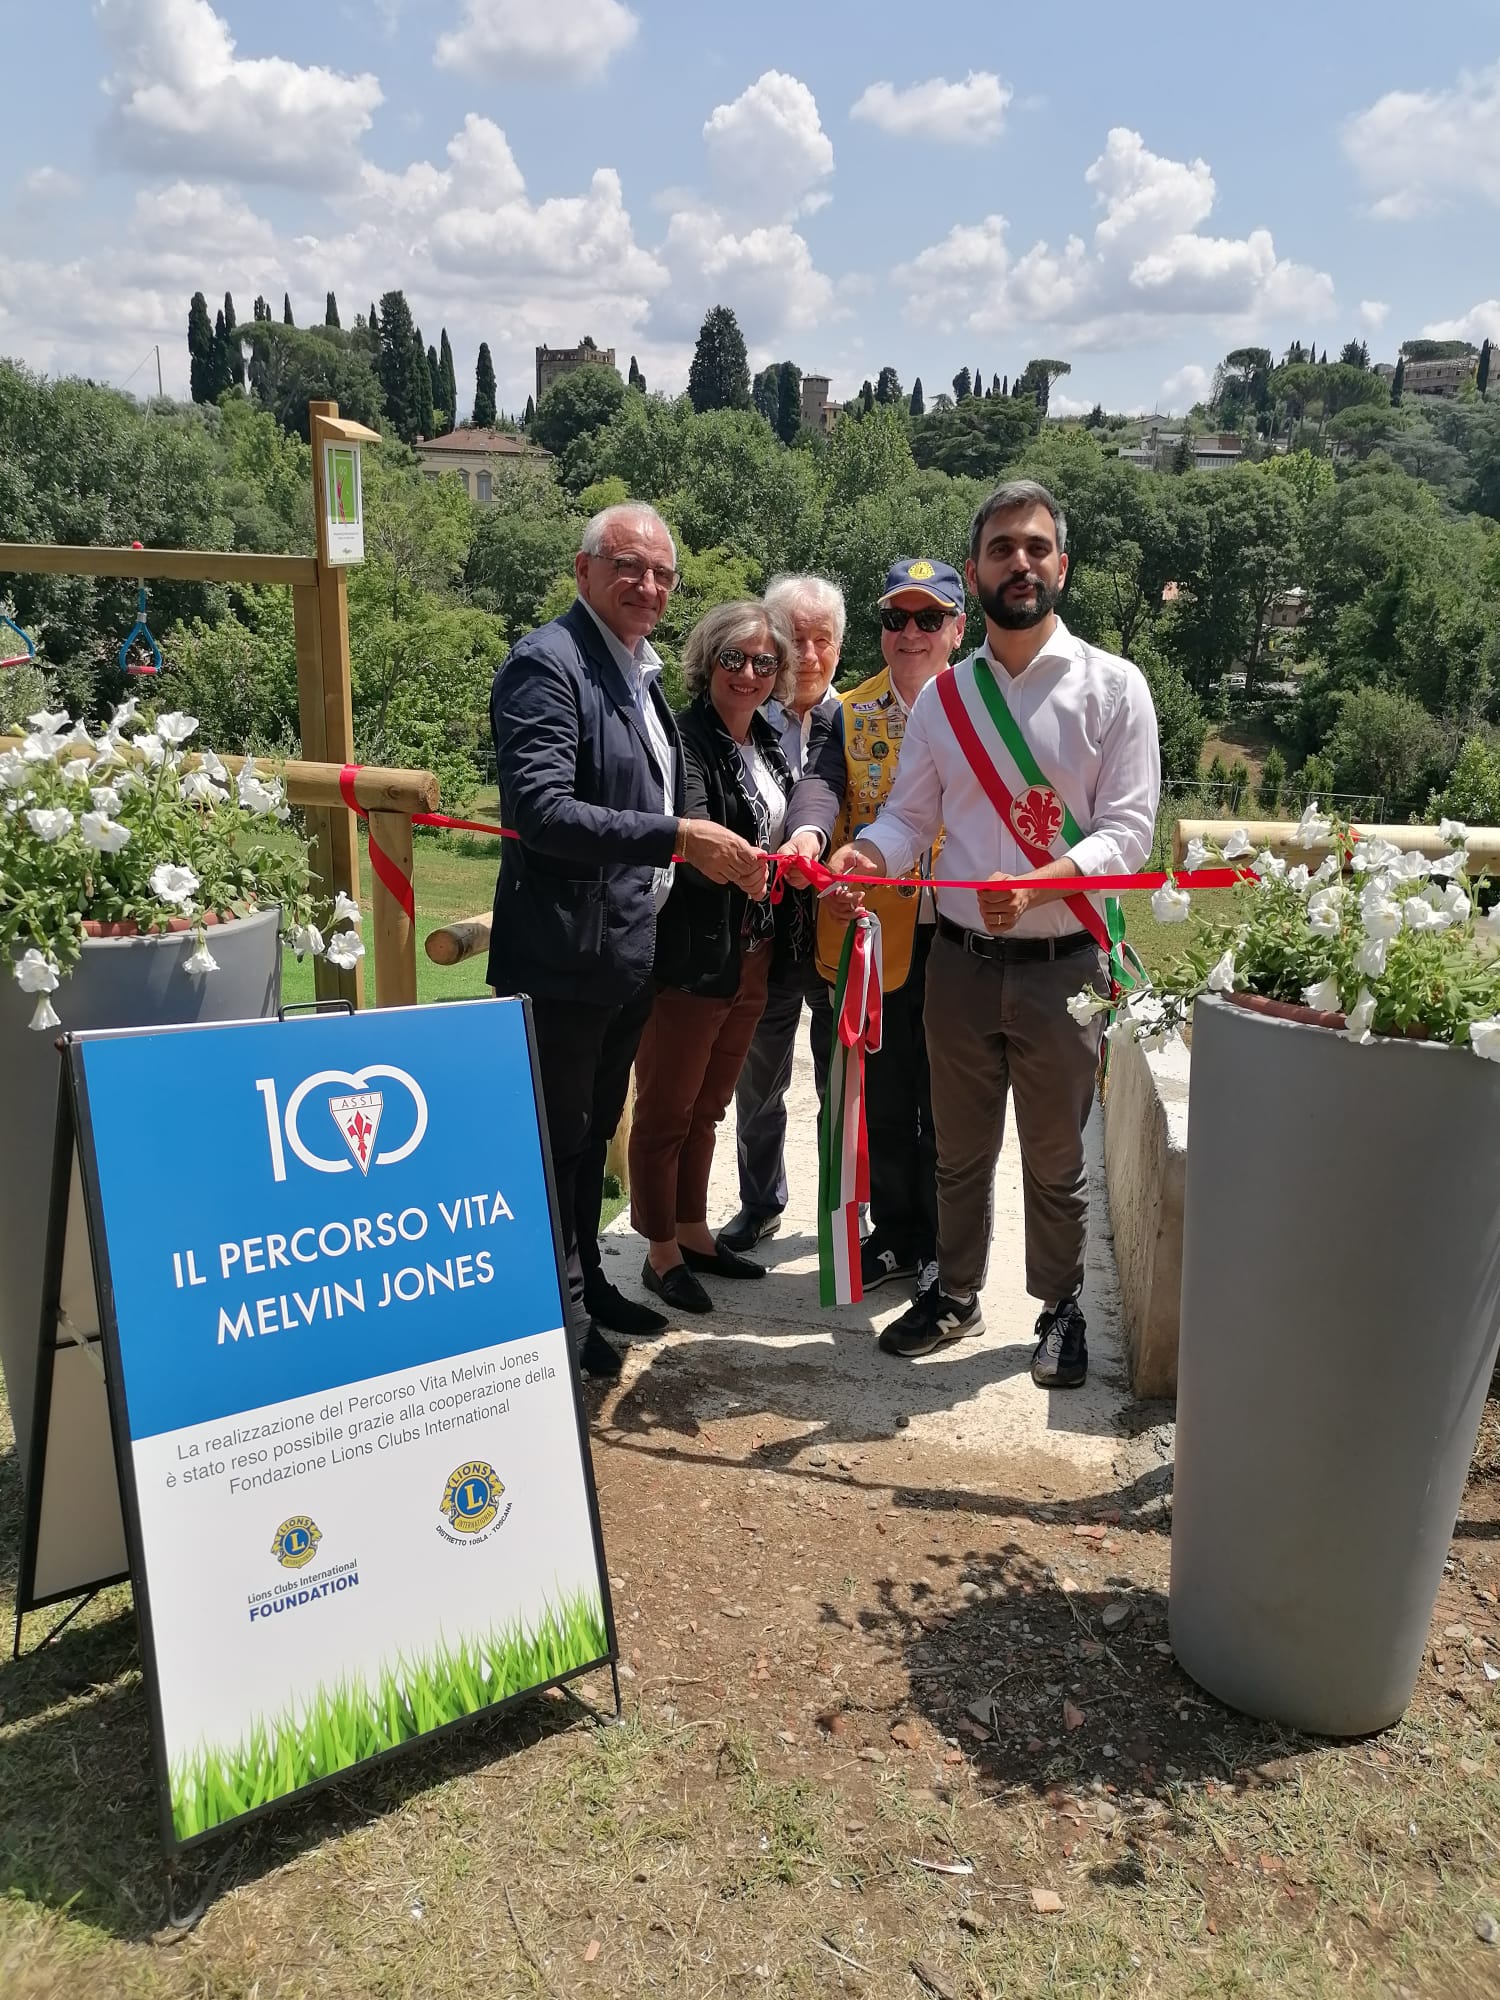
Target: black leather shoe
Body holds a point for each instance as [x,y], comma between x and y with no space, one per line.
[679,1288]
[744,1230]
[610,1307]
[724,1263]
[596,1356]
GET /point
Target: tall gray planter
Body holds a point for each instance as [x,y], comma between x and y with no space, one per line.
[130,982]
[1340,1320]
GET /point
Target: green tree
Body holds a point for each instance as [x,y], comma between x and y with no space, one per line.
[1181,724]
[435,391]
[719,377]
[1247,557]
[522,546]
[403,370]
[1354,354]
[529,415]
[1038,378]
[1272,782]
[1398,380]
[449,394]
[484,389]
[765,393]
[331,311]
[918,405]
[888,387]
[286,309]
[1435,350]
[200,339]
[1482,373]
[577,405]
[233,347]
[1385,744]
[260,310]
[866,398]
[788,401]
[291,367]
[972,440]
[963,386]
[1472,792]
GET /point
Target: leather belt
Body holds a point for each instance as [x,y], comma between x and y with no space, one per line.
[1014,951]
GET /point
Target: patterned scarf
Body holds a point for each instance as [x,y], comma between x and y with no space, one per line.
[760,918]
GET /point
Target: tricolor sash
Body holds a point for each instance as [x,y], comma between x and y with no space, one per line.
[843,1147]
[1036,813]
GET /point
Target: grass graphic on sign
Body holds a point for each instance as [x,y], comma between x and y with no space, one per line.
[346,1725]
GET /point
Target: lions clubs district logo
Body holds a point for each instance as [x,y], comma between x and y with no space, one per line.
[471,1499]
[296,1542]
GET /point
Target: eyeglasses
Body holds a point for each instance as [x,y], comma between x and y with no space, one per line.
[732,660]
[630,569]
[893,618]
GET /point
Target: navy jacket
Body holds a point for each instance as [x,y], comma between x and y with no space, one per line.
[574,916]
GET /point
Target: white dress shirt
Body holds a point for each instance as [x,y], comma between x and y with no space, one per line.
[1091,725]
[641,667]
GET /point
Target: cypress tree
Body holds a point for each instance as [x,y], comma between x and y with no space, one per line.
[221,370]
[200,339]
[1005,387]
[1398,380]
[260,310]
[374,319]
[424,359]
[435,392]
[530,413]
[788,401]
[484,389]
[449,397]
[1482,373]
[234,359]
[286,310]
[331,311]
[918,404]
[963,386]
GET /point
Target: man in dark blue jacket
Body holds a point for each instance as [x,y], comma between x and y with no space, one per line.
[590,778]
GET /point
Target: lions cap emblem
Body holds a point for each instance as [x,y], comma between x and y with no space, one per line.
[920,571]
[1037,815]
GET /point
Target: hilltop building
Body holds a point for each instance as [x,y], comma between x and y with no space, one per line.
[817,412]
[552,363]
[474,457]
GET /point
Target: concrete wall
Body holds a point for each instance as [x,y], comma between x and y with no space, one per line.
[1145,1164]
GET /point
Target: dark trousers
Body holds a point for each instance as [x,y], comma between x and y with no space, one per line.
[898,1119]
[760,1095]
[584,1053]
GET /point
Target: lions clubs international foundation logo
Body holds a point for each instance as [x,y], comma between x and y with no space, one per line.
[296,1542]
[358,1118]
[471,1499]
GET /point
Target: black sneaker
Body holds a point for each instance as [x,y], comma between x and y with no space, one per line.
[934,1321]
[879,1263]
[1061,1360]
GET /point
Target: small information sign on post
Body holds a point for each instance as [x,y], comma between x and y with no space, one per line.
[344,499]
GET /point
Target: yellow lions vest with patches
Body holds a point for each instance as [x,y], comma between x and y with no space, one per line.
[873,728]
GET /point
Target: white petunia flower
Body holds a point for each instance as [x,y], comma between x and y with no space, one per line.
[1456,903]
[123,716]
[1328,869]
[1491,919]
[1381,914]
[304,938]
[151,748]
[1484,1038]
[1373,856]
[1221,977]
[176,728]
[173,884]
[1269,867]
[49,823]
[1313,828]
[1170,904]
[103,834]
[45,1015]
[1411,867]
[1361,1014]
[51,722]
[1369,960]
[1419,915]
[77,771]
[345,909]
[1325,910]
[1237,845]
[1196,856]
[198,788]
[1324,996]
[255,794]
[345,950]
[12,769]
[1085,1005]
[209,762]
[35,972]
[1449,864]
[1298,878]
[202,960]
[1454,831]
[39,747]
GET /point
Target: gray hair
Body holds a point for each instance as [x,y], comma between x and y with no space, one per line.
[738,623]
[597,531]
[1006,499]
[790,593]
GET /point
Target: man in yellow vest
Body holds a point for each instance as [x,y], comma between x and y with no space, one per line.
[921,627]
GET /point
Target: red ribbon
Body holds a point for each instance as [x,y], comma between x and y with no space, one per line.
[384,866]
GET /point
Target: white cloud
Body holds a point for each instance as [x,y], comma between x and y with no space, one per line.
[1189,385]
[1373,313]
[47,183]
[503,40]
[1147,268]
[971,113]
[768,148]
[1067,406]
[183,101]
[1417,149]
[1480,323]
[766,272]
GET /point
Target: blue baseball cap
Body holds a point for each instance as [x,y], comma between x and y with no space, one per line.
[938,580]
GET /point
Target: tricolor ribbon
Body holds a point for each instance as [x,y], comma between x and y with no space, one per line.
[843,1144]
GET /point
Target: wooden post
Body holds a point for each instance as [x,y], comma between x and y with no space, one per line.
[326,710]
[395,933]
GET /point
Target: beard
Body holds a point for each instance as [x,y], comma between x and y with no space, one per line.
[1015,615]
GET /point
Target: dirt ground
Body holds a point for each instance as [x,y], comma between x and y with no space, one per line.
[887,1733]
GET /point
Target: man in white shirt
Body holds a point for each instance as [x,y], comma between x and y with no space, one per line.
[1038,756]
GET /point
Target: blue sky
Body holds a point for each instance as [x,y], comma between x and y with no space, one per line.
[1134,190]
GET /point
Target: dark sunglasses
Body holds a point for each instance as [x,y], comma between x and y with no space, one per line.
[893,618]
[732,659]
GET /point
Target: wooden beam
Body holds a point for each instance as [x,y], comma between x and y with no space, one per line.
[1280,836]
[465,937]
[175,565]
[395,933]
[335,696]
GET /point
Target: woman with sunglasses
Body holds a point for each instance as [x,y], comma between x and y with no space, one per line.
[714,948]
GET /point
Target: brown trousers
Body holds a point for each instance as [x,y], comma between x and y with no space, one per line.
[995,1028]
[688,1062]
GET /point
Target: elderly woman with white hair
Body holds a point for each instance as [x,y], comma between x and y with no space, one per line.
[715,946]
[802,719]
